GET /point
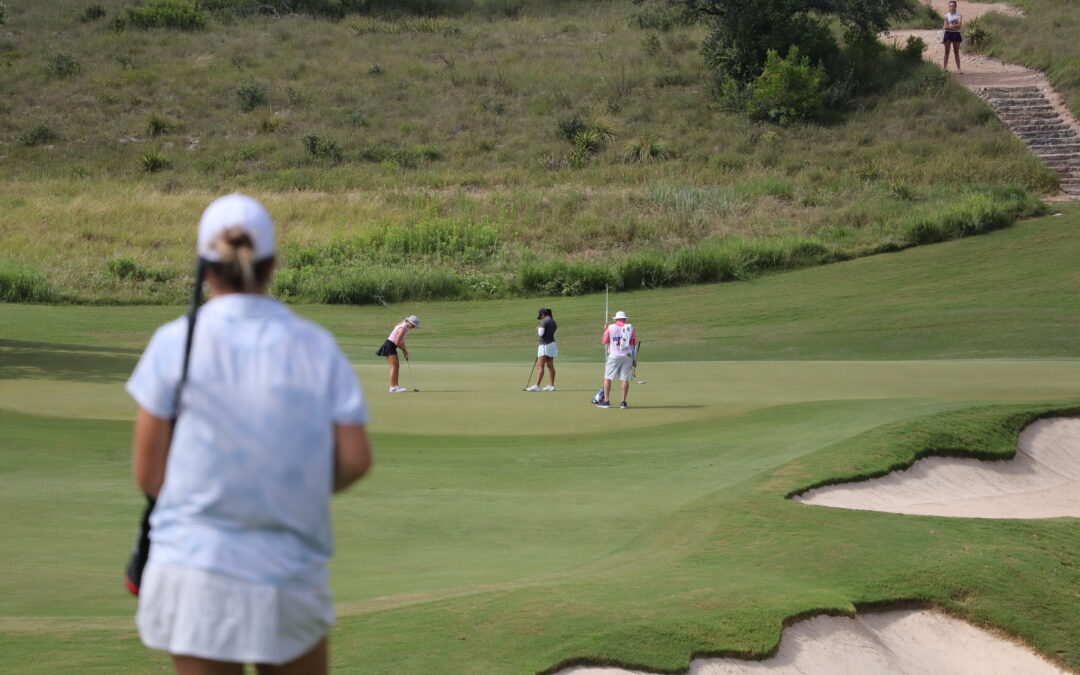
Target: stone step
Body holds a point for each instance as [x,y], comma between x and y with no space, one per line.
[1048,139]
[1023,108]
[1033,116]
[1009,91]
[1022,103]
[1046,145]
[1049,128]
[1047,151]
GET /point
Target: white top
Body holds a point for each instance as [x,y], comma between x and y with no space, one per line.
[621,340]
[952,20]
[250,471]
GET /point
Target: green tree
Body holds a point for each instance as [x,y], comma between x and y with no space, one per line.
[743,32]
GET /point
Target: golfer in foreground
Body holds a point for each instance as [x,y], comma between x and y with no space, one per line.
[547,351]
[394,342]
[269,423]
[621,341]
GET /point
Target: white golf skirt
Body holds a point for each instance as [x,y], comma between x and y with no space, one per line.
[193,612]
[547,350]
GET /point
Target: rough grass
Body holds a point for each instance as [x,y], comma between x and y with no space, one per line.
[465,122]
[1044,39]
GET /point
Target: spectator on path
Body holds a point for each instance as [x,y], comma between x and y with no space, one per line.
[951,36]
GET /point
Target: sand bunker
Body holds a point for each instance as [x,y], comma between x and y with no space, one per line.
[1043,481]
[904,642]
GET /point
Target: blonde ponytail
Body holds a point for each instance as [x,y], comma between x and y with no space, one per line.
[236,266]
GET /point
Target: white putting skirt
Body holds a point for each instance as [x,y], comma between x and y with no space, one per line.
[200,613]
[547,350]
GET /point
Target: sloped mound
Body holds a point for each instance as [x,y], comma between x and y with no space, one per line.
[1042,481]
[906,642]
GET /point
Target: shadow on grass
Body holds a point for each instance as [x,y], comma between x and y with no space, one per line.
[21,360]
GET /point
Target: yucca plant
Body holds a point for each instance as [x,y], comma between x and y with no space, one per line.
[159,125]
[644,149]
[153,161]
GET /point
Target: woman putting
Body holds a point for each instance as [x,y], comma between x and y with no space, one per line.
[243,456]
[951,36]
[389,348]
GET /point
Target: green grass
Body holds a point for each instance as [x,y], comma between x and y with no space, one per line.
[1044,39]
[509,532]
[353,129]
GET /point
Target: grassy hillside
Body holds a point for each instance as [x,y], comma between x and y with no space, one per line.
[1044,39]
[430,157]
[504,532]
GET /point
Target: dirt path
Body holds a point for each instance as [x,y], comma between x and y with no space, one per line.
[982,72]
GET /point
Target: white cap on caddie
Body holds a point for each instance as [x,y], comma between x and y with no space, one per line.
[236,210]
[620,315]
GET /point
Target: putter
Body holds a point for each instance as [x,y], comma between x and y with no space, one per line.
[411,381]
[633,371]
[531,371]
[134,572]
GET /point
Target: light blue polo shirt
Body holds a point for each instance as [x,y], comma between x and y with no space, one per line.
[250,471]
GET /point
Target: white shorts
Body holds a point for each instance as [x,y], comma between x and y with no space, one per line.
[618,368]
[547,350]
[193,612]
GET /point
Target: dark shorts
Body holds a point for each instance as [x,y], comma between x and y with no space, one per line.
[952,36]
[388,349]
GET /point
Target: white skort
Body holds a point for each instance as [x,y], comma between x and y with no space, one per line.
[547,350]
[193,612]
[618,368]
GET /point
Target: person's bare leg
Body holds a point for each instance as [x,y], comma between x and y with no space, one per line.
[625,389]
[314,662]
[395,363]
[192,665]
[551,369]
[607,389]
[540,361]
[956,53]
[946,64]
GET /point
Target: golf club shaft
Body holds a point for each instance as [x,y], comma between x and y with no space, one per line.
[531,371]
[412,382]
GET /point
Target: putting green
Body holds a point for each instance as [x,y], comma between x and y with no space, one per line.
[504,531]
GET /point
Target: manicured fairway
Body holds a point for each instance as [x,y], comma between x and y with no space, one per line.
[504,531]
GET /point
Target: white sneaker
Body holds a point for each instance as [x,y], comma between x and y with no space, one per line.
[550,387]
[397,390]
[533,388]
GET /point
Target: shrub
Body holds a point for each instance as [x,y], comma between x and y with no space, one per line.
[159,125]
[662,18]
[644,270]
[324,149]
[788,90]
[19,283]
[356,119]
[570,126]
[644,149]
[375,70]
[252,94]
[272,123]
[170,14]
[126,269]
[913,48]
[38,135]
[3,14]
[153,161]
[62,65]
[92,13]
[651,45]
[975,33]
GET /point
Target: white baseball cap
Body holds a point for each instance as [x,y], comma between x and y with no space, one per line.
[414,320]
[620,315]
[236,210]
